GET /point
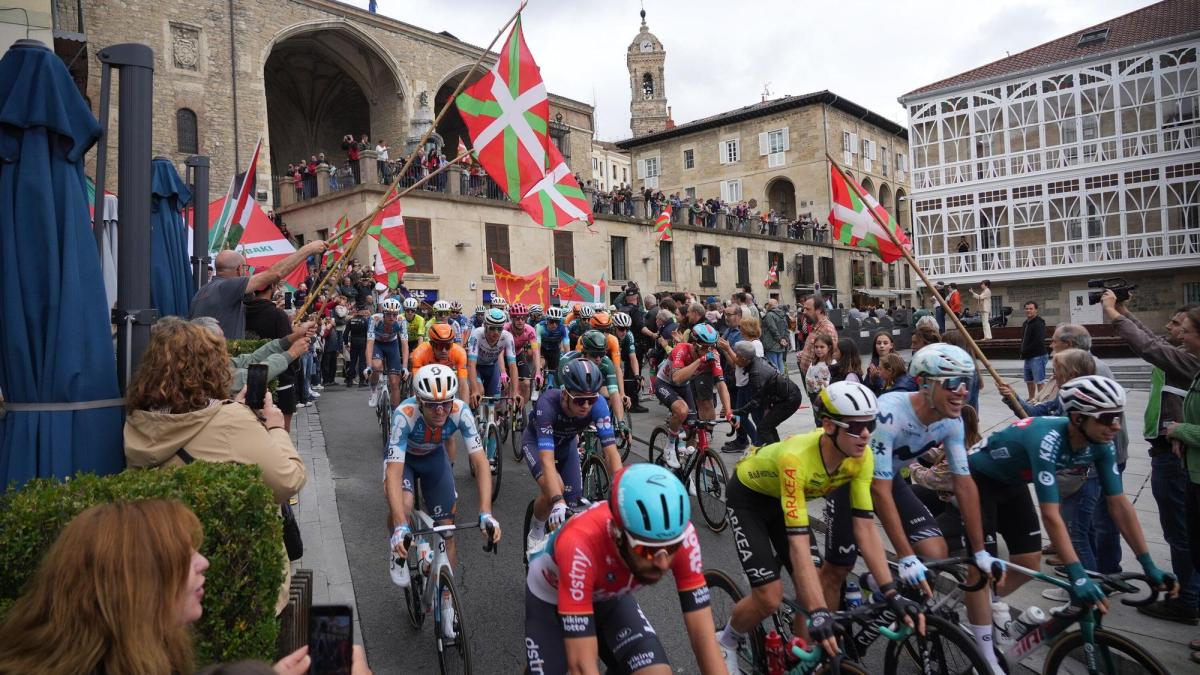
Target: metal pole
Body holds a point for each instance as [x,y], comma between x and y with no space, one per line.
[101,160]
[134,313]
[197,166]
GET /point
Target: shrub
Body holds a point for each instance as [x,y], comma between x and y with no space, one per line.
[243,537]
[239,347]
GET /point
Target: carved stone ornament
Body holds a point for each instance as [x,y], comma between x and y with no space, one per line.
[185,47]
[423,99]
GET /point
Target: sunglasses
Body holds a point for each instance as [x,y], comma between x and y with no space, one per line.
[648,552]
[437,407]
[1105,418]
[955,383]
[583,400]
[854,428]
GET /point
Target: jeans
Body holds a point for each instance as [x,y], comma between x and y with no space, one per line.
[356,363]
[941,318]
[1169,483]
[303,392]
[1093,532]
[748,432]
[776,359]
[1077,511]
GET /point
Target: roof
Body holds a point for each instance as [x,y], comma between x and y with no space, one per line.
[606,145]
[764,109]
[1160,21]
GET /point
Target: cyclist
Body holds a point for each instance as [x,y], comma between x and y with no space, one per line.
[535,314]
[672,383]
[498,302]
[416,452]
[386,348]
[484,349]
[631,369]
[577,322]
[594,348]
[552,340]
[441,349]
[441,316]
[766,500]
[525,343]
[551,440]
[910,424]
[579,604]
[416,323]
[477,320]
[457,316]
[602,322]
[1033,450]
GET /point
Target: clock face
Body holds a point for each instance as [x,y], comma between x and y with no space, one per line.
[647,46]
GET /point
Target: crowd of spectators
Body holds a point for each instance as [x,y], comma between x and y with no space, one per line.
[301,176]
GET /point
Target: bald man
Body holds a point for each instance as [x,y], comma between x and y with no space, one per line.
[221,297]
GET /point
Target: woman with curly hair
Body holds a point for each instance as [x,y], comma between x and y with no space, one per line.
[115,594]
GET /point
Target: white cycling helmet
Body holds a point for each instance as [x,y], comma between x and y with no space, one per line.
[556,313]
[1092,394]
[441,306]
[848,399]
[480,309]
[410,303]
[586,311]
[390,305]
[535,309]
[436,382]
[455,306]
[499,301]
[941,360]
[622,320]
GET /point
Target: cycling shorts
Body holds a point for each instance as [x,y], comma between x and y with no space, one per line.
[437,483]
[566,461]
[525,364]
[840,546]
[627,642]
[489,375]
[702,386]
[668,393]
[759,532]
[551,359]
[1020,527]
[389,353]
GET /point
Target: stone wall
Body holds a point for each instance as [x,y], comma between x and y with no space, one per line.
[1157,296]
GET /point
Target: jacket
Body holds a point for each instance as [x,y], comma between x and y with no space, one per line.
[223,432]
[274,354]
[1188,431]
[769,387]
[1178,368]
[1033,338]
[774,329]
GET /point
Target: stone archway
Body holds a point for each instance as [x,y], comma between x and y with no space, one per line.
[781,196]
[885,197]
[902,206]
[868,185]
[451,129]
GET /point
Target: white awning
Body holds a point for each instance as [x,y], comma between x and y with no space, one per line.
[876,292]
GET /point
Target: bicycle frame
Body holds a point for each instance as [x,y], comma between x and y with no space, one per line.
[440,559]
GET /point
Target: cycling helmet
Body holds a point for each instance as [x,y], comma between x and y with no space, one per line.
[1092,394]
[580,375]
[585,311]
[535,310]
[594,342]
[410,303]
[441,334]
[499,301]
[390,305]
[441,306]
[848,399]
[600,321]
[436,382]
[480,309]
[941,360]
[518,309]
[455,306]
[555,314]
[704,334]
[495,317]
[650,505]
[622,320]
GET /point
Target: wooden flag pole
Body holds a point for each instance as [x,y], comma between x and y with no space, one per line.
[941,301]
[384,201]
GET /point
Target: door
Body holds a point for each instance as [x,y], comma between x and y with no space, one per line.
[1083,313]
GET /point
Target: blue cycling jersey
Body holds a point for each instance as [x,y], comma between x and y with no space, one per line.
[899,437]
[552,425]
[410,433]
[552,340]
[379,331]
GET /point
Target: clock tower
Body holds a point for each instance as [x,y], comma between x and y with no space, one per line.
[648,103]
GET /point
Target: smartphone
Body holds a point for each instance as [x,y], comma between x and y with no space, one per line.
[330,639]
[256,385]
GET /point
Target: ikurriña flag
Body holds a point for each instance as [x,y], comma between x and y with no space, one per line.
[853,225]
[662,225]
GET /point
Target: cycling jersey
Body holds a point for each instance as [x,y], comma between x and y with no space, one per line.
[683,355]
[626,345]
[899,437]
[485,353]
[552,340]
[612,346]
[794,471]
[550,425]
[379,330]
[526,338]
[412,436]
[1038,447]
[416,328]
[576,328]
[606,367]
[457,359]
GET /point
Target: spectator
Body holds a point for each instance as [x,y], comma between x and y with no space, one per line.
[929,323]
[939,310]
[963,245]
[815,313]
[264,320]
[221,297]
[923,337]
[775,335]
[895,374]
[381,162]
[277,354]
[881,345]
[819,373]
[958,339]
[954,301]
[984,298]
[351,147]
[356,338]
[847,365]
[772,395]
[751,330]
[731,334]
[1033,347]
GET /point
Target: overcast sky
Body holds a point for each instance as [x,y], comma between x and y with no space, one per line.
[721,53]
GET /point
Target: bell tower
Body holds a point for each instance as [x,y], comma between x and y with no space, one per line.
[648,103]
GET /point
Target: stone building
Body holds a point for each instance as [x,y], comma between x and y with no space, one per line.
[646,60]
[299,74]
[610,166]
[1077,159]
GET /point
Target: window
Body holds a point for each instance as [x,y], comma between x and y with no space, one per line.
[564,252]
[901,161]
[648,171]
[647,86]
[708,256]
[826,272]
[846,145]
[1191,292]
[775,260]
[1093,37]
[690,192]
[807,271]
[652,167]
[323,233]
[624,175]
[997,304]
[617,255]
[731,151]
[774,144]
[666,271]
[595,164]
[420,244]
[743,267]
[708,277]
[777,140]
[731,190]
[689,159]
[496,242]
[186,132]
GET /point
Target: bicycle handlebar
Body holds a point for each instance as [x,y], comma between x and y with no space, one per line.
[865,614]
[1111,583]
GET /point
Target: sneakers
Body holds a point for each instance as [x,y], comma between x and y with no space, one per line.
[315,393]
[730,656]
[732,448]
[1056,594]
[671,456]
[1171,611]
[447,616]
[373,399]
[398,569]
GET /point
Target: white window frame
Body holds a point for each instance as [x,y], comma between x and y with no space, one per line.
[774,144]
[686,156]
[730,150]
[731,190]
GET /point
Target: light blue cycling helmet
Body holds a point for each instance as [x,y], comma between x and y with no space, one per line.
[704,334]
[941,360]
[650,505]
[495,317]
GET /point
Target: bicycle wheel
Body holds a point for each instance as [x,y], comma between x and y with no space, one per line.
[495,460]
[1115,655]
[503,421]
[946,647]
[416,584]
[710,481]
[658,443]
[517,439]
[450,632]
[595,479]
[724,593]
[625,441]
[525,534]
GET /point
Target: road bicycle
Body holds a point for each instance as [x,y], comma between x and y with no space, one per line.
[592,466]
[518,420]
[431,590]
[572,510]
[493,422]
[701,469]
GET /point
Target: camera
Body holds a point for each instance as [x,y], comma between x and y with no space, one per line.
[1119,286]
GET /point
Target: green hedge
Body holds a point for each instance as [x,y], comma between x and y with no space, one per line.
[243,537]
[239,347]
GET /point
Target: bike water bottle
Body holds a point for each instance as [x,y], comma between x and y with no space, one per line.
[1031,618]
[854,596]
[424,557]
[775,660]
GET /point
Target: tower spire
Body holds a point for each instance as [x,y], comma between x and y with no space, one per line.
[643,13]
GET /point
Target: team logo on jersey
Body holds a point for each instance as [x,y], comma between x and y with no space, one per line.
[1046,478]
[1000,452]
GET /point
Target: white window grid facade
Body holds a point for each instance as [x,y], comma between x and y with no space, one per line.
[1094,165]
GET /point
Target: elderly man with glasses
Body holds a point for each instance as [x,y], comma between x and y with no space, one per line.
[221,298]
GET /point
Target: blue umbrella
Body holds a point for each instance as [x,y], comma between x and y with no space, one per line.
[57,367]
[170,269]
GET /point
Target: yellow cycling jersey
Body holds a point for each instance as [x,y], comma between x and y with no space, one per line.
[793,471]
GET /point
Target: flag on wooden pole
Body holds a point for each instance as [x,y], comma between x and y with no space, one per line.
[853,224]
[533,289]
[572,289]
[226,230]
[395,256]
[663,225]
